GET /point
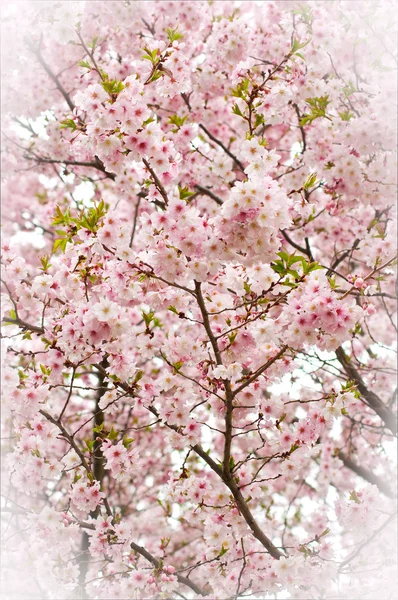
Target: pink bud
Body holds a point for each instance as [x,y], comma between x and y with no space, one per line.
[359,283]
[170,569]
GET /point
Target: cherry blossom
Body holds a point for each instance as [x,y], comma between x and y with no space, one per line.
[199,311]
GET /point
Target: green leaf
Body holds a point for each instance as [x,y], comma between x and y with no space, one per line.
[297,46]
[240,91]
[185,193]
[148,317]
[223,551]
[68,123]
[304,550]
[306,14]
[127,441]
[60,243]
[178,121]
[112,435]
[318,106]
[313,266]
[61,218]
[93,42]
[45,370]
[259,120]
[156,75]
[173,35]
[84,64]
[354,497]
[236,110]
[349,89]
[113,86]
[45,264]
[310,181]
[151,55]
[138,376]
[325,532]
[346,115]
[89,444]
[232,337]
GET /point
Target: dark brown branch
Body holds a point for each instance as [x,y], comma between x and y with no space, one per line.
[137,208]
[90,54]
[23,325]
[229,482]
[94,164]
[36,52]
[207,192]
[226,150]
[157,564]
[240,503]
[157,181]
[66,435]
[366,474]
[260,370]
[343,257]
[385,413]
[227,384]
[206,323]
[98,472]
[302,130]
[306,250]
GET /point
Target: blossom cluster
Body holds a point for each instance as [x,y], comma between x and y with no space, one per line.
[199,311]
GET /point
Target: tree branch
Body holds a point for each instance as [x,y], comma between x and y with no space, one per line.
[226,150]
[207,192]
[366,474]
[385,413]
[157,181]
[260,370]
[36,52]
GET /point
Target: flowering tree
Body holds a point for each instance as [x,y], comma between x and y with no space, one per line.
[198,299]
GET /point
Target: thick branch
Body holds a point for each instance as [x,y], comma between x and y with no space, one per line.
[385,413]
[52,76]
[94,164]
[240,503]
[305,250]
[157,564]
[343,257]
[207,192]
[366,474]
[23,325]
